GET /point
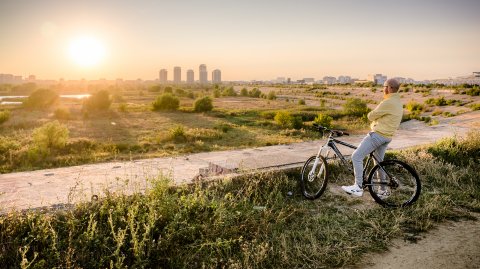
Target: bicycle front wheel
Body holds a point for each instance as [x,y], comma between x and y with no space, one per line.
[393,183]
[314,177]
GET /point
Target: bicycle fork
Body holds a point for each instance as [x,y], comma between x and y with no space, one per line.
[311,174]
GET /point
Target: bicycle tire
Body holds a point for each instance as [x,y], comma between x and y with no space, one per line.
[314,185]
[408,183]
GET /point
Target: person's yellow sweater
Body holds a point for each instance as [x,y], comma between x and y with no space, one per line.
[386,117]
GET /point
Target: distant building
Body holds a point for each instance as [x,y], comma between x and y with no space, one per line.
[163,76]
[190,76]
[203,75]
[476,74]
[329,80]
[177,74]
[10,79]
[344,80]
[378,79]
[216,76]
[309,80]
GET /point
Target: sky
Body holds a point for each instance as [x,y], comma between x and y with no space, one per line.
[246,40]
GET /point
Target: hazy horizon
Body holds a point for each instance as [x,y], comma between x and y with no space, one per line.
[246,40]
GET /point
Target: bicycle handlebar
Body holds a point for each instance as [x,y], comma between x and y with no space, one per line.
[332,131]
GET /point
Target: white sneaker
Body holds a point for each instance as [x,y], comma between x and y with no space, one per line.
[354,190]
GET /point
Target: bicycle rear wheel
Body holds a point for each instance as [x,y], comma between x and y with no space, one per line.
[314,181]
[396,185]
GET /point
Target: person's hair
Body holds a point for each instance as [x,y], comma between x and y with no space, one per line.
[393,84]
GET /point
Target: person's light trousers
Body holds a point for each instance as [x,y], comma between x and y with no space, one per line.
[372,142]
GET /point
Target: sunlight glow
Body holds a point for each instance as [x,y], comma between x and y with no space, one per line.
[86,51]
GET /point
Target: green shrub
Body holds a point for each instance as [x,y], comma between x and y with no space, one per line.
[180,92]
[296,122]
[458,151]
[475,106]
[168,89]
[203,104]
[355,107]
[123,107]
[271,95]
[155,88]
[244,92]
[414,107]
[41,99]
[216,93]
[178,134]
[324,120]
[62,114]
[255,93]
[475,91]
[269,115]
[166,101]
[301,102]
[99,101]
[229,91]
[283,119]
[51,135]
[4,116]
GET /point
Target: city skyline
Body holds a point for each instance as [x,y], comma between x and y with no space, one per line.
[425,40]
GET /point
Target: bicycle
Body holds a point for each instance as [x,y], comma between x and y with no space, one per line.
[391,183]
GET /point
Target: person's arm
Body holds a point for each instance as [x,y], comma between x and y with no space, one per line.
[381,110]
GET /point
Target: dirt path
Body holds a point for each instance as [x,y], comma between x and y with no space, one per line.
[451,245]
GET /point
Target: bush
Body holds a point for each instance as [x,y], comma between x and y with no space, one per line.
[255,93]
[51,135]
[458,151]
[4,116]
[475,106]
[355,107]
[203,104]
[155,88]
[216,93]
[62,114]
[177,134]
[244,92]
[41,99]
[283,119]
[229,92]
[296,122]
[99,101]
[301,101]
[123,107]
[414,107]
[168,89]
[324,120]
[271,95]
[166,101]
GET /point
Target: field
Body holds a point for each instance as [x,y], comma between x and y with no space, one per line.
[130,129]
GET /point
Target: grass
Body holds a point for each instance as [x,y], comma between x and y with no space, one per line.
[131,130]
[245,222]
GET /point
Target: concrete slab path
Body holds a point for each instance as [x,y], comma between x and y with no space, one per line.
[61,186]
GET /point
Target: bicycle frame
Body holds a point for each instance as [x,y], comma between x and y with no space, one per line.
[330,145]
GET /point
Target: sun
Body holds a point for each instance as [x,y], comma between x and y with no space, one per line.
[86,51]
